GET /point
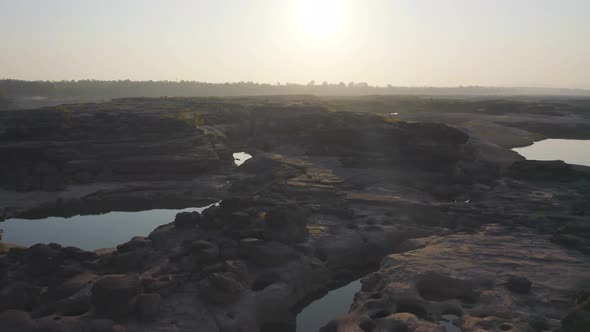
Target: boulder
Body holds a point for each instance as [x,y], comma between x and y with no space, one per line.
[48,324]
[148,305]
[78,254]
[113,295]
[286,224]
[264,280]
[187,219]
[16,321]
[204,252]
[127,262]
[163,236]
[43,259]
[221,288]
[238,269]
[135,243]
[18,296]
[72,285]
[273,306]
[267,254]
[578,319]
[520,285]
[74,305]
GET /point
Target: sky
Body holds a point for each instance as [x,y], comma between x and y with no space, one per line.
[542,43]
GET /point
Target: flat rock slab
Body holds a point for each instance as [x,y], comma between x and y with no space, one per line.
[472,276]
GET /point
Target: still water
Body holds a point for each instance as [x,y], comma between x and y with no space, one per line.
[335,303]
[241,157]
[571,151]
[89,232]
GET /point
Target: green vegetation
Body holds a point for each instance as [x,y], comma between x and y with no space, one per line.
[191,118]
[387,118]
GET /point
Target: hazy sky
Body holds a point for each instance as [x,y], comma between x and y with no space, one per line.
[399,42]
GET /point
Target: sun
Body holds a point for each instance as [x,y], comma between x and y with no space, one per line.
[319,18]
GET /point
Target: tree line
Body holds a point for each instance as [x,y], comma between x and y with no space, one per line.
[127,88]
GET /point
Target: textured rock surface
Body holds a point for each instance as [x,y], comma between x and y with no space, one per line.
[114,296]
[325,198]
[481,278]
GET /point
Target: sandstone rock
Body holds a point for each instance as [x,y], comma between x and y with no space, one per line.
[16,321]
[112,296]
[577,320]
[228,249]
[78,254]
[74,305]
[73,285]
[408,322]
[162,237]
[264,280]
[272,307]
[343,250]
[43,259]
[519,285]
[18,296]
[220,288]
[286,224]
[135,243]
[462,275]
[148,305]
[155,285]
[367,324]
[48,324]
[127,262]
[187,219]
[237,268]
[104,325]
[268,253]
[247,245]
[204,252]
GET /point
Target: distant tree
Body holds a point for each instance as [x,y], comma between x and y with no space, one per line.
[5,100]
[311,83]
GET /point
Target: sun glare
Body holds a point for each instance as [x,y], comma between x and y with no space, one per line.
[319,18]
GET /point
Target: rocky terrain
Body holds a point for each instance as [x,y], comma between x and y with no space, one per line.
[444,221]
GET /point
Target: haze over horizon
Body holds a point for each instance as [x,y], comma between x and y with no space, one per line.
[536,43]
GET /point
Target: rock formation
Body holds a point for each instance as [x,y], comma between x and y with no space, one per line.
[453,227]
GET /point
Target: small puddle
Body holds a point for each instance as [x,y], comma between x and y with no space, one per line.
[334,304]
[89,232]
[241,157]
[448,322]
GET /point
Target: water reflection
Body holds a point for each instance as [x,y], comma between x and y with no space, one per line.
[89,232]
[241,157]
[569,150]
[335,303]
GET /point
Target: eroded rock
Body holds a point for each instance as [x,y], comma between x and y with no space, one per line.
[465,275]
[114,296]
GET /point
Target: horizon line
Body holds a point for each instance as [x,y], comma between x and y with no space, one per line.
[359,84]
